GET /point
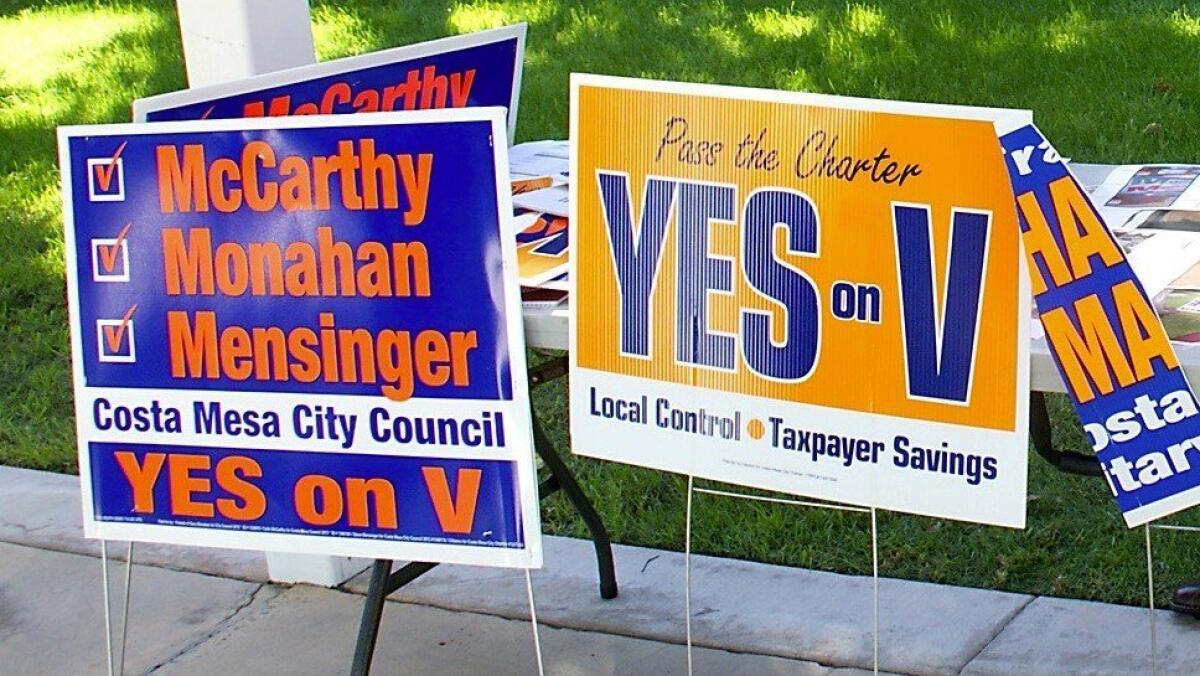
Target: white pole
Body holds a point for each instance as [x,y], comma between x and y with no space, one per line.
[537,641]
[226,40]
[1150,587]
[125,605]
[875,579]
[108,637]
[687,575]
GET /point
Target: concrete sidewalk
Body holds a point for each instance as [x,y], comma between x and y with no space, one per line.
[205,611]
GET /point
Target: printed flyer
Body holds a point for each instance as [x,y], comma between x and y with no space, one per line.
[301,334]
[812,294]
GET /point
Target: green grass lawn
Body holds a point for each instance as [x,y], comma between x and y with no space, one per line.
[1108,81]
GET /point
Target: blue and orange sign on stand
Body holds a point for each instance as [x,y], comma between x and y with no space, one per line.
[301,334]
[474,70]
[1110,347]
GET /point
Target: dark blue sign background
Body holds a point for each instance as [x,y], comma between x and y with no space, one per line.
[460,232]
[494,65]
[497,520]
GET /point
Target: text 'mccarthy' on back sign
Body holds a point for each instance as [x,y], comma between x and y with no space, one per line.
[301,334]
[811,294]
[474,70]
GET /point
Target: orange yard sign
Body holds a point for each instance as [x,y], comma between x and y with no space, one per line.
[812,294]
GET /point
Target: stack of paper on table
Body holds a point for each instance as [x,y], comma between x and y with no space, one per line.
[540,175]
[1154,212]
[1130,191]
[1164,250]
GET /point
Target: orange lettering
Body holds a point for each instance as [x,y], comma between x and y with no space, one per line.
[1083,234]
[141,478]
[305,494]
[230,473]
[338,92]
[279,107]
[416,185]
[410,265]
[377,171]
[433,358]
[1089,354]
[455,515]
[181,184]
[233,273]
[189,269]
[357,493]
[337,264]
[254,154]
[307,365]
[270,352]
[224,198]
[184,485]
[236,353]
[462,343]
[1039,241]
[192,353]
[395,362]
[266,266]
[366,101]
[1145,337]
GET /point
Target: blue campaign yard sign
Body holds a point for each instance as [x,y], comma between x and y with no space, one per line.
[301,334]
[474,70]
[1109,345]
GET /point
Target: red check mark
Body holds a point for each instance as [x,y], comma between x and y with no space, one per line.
[108,252]
[104,173]
[113,335]
[557,225]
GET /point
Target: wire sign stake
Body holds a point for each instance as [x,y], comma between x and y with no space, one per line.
[687,555]
[115,662]
[537,641]
[1150,589]
[1150,586]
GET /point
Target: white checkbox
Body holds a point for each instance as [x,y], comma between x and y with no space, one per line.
[98,274]
[102,344]
[117,177]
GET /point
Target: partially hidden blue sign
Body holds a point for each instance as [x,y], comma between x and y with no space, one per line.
[301,334]
[473,70]
[1112,351]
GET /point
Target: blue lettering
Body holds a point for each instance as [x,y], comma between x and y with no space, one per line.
[795,357]
[698,273]
[636,262]
[940,356]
